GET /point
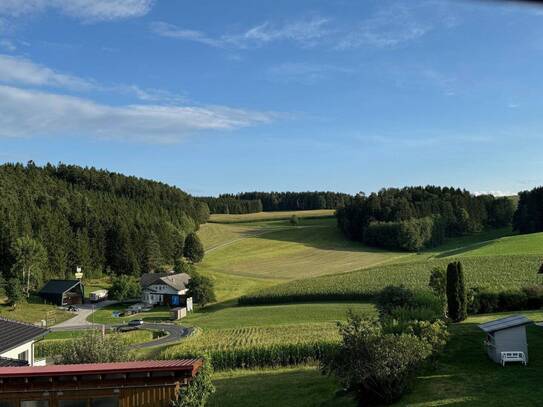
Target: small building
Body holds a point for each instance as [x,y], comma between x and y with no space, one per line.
[63,292]
[17,342]
[506,335]
[178,313]
[166,289]
[125,384]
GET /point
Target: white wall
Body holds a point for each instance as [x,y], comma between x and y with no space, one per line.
[14,353]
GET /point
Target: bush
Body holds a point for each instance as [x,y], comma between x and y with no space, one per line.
[201,289]
[489,301]
[124,287]
[199,389]
[379,367]
[392,297]
[94,348]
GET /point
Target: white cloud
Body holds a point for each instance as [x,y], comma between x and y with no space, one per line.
[496,193]
[28,113]
[304,73]
[305,32]
[23,71]
[87,10]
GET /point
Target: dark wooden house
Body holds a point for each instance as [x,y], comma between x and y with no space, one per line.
[63,292]
[126,384]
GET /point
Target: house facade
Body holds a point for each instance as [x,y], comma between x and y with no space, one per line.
[17,341]
[166,289]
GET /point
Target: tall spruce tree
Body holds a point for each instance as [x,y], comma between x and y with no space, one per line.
[456,292]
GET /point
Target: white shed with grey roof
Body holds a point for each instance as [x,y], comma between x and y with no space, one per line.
[506,335]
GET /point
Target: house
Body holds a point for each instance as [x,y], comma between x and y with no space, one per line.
[17,343]
[166,289]
[126,384]
[63,292]
[506,335]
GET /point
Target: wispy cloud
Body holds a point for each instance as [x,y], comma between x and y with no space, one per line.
[23,71]
[304,73]
[30,113]
[8,45]
[86,10]
[304,32]
[388,27]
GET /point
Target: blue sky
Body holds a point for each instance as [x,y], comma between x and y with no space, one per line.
[230,96]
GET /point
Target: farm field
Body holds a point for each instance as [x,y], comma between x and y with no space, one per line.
[237,328]
[489,384]
[286,387]
[293,253]
[497,272]
[259,216]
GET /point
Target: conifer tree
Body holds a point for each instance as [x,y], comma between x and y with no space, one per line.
[456,292]
[194,249]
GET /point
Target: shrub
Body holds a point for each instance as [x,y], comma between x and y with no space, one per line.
[201,289]
[392,297]
[377,366]
[488,301]
[199,389]
[94,348]
[124,287]
[294,221]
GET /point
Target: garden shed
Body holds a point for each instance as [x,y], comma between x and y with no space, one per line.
[62,292]
[506,339]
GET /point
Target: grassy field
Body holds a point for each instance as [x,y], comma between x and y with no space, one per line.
[105,315]
[252,217]
[32,313]
[94,284]
[489,384]
[292,253]
[292,387]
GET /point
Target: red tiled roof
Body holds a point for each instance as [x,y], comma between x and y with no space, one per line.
[102,368]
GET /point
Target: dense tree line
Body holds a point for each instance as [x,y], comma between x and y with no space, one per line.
[529,215]
[99,220]
[294,201]
[416,217]
[228,205]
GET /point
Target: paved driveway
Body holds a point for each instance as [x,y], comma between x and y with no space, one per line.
[79,321]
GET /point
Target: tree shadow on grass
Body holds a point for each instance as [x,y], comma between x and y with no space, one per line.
[462,250]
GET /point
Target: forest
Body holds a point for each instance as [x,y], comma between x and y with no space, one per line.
[529,215]
[413,218]
[251,202]
[99,220]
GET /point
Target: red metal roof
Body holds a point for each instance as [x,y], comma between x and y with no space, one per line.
[102,368]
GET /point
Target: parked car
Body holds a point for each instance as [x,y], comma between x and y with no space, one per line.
[72,308]
[135,322]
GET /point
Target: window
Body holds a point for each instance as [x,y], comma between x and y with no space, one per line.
[35,403]
[72,403]
[7,403]
[23,355]
[105,402]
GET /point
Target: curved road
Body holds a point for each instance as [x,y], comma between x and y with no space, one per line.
[174,333]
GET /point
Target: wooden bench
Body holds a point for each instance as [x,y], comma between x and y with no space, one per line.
[513,357]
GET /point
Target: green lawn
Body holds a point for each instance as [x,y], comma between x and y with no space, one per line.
[104,315]
[252,217]
[94,284]
[466,377]
[295,387]
[30,312]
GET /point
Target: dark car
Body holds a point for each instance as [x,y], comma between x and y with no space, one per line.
[135,322]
